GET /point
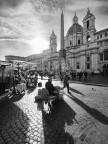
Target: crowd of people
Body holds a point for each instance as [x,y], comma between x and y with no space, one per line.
[81,76]
[30,77]
[74,75]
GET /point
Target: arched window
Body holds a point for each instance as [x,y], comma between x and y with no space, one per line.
[88,24]
[101,56]
[79,41]
[70,42]
[88,65]
[88,61]
[88,58]
[88,38]
[77,65]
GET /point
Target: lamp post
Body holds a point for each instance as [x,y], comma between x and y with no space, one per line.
[18,67]
[3,84]
[13,78]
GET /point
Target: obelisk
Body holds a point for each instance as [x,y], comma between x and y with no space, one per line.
[62,52]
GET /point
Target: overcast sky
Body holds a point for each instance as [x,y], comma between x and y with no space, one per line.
[26,25]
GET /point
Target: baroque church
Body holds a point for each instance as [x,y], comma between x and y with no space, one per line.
[86,48]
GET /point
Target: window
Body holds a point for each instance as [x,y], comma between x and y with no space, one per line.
[104,66]
[70,43]
[101,43]
[88,58]
[100,35]
[97,43]
[106,55]
[77,65]
[87,24]
[88,61]
[88,65]
[105,33]
[106,42]
[88,38]
[97,37]
[101,56]
[78,41]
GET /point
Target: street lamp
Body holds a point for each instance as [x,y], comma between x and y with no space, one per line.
[18,67]
[3,84]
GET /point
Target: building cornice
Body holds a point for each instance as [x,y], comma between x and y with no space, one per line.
[101,31]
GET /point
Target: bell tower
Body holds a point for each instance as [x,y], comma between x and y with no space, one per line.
[88,27]
[53,42]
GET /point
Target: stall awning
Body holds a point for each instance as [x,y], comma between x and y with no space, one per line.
[5,63]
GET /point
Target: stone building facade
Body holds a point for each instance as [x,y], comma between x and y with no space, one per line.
[13,57]
[86,48]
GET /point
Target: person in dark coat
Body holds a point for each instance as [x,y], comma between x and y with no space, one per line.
[49,86]
[41,75]
[85,75]
[66,82]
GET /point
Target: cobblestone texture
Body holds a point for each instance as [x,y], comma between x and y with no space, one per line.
[80,118]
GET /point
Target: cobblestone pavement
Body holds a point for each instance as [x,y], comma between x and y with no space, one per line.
[80,118]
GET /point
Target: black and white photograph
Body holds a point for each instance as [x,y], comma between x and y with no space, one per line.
[53,71]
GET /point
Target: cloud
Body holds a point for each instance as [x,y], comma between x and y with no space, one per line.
[14,47]
[48,7]
[103,10]
[10,3]
[22,22]
[28,18]
[82,4]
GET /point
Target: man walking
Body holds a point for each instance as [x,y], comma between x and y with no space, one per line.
[66,82]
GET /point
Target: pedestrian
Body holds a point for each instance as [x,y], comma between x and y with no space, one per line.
[86,75]
[66,82]
[71,73]
[61,76]
[80,75]
[41,75]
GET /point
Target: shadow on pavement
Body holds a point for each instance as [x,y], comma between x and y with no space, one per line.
[76,91]
[30,90]
[92,111]
[16,97]
[55,123]
[14,124]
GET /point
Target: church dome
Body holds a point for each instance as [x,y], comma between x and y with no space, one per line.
[75,28]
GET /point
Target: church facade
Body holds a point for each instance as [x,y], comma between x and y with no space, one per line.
[52,58]
[86,48]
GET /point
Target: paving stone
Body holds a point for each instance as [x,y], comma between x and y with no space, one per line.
[19,140]
[35,137]
[27,140]
[31,141]
[34,142]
